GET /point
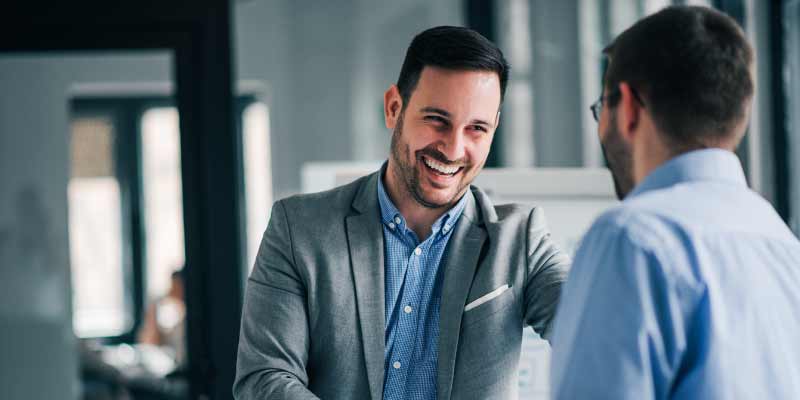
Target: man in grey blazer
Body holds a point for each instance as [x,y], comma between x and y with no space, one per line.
[407,283]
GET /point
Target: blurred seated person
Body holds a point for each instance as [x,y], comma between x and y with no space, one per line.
[158,373]
[163,324]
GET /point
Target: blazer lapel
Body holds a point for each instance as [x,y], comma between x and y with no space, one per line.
[463,254]
[365,243]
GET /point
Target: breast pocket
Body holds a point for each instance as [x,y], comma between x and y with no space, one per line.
[489,346]
[479,310]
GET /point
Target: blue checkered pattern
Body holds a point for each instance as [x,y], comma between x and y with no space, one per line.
[413,296]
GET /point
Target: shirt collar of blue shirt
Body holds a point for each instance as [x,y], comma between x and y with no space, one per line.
[700,165]
[390,214]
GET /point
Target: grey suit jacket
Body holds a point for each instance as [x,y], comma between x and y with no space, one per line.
[313,320]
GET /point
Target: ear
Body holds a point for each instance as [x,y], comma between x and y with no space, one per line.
[392,106]
[629,112]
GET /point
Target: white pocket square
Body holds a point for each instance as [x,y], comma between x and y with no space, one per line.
[488,296]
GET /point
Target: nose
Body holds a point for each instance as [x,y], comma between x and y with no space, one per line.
[454,144]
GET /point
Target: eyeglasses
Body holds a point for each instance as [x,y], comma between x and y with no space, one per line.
[597,106]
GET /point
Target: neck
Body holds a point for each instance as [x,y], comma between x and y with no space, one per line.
[649,154]
[418,218]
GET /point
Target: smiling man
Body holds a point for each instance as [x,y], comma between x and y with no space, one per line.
[408,283]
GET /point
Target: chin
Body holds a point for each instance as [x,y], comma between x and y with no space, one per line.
[439,198]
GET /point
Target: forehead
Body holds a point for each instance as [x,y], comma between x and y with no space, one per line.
[458,91]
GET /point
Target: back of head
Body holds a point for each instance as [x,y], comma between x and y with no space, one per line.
[693,69]
[450,47]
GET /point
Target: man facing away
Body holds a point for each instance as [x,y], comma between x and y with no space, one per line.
[408,283]
[689,288]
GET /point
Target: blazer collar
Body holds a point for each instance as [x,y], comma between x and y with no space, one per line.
[461,261]
[365,244]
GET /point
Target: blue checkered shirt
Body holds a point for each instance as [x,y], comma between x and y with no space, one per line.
[413,296]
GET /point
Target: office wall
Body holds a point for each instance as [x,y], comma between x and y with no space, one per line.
[38,347]
[326,65]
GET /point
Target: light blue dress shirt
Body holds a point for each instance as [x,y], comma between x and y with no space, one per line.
[690,289]
[413,297]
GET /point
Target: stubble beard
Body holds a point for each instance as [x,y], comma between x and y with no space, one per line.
[409,175]
[619,159]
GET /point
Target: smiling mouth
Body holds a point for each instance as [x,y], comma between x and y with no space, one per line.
[440,168]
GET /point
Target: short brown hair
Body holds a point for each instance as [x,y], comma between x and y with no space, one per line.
[692,66]
[454,48]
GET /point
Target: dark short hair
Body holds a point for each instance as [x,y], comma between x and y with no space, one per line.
[450,47]
[692,67]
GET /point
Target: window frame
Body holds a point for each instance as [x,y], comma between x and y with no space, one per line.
[127,169]
[125,114]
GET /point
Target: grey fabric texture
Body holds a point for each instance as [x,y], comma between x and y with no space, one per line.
[313,318]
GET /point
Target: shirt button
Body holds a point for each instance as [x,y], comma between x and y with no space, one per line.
[396,365]
[407,309]
[397,220]
[417,251]
[391,225]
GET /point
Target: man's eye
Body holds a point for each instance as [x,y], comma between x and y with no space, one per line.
[480,128]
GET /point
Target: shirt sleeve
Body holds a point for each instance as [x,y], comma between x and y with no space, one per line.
[620,328]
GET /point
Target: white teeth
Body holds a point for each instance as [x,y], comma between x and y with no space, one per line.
[440,167]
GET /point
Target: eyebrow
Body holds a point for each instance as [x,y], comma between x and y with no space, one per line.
[435,110]
[481,122]
[444,113]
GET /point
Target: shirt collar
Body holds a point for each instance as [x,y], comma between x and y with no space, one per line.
[390,215]
[715,165]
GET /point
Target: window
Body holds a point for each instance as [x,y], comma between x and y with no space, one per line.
[95,230]
[518,146]
[163,199]
[126,206]
[555,53]
[257,177]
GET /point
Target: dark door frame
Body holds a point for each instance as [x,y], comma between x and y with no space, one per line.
[198,33]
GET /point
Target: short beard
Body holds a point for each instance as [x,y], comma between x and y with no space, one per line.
[409,175]
[619,159]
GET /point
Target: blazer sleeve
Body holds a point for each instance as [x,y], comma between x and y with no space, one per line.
[274,338]
[547,270]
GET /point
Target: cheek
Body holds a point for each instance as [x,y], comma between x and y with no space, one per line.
[603,124]
[418,137]
[479,150]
